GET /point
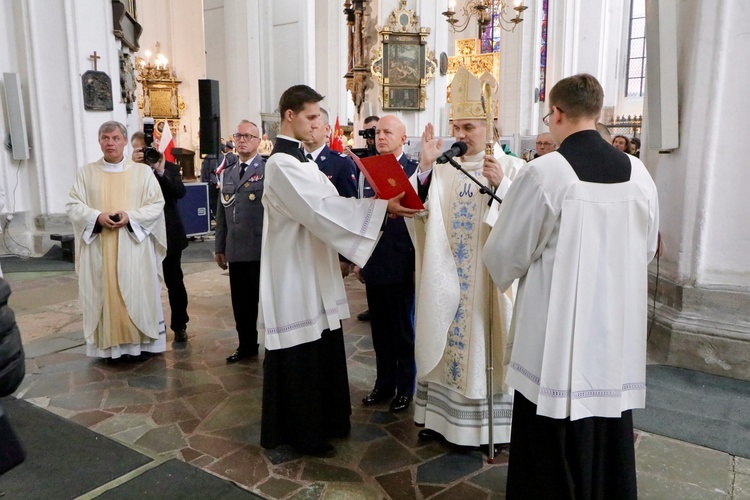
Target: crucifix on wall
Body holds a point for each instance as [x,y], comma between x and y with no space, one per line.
[97,88]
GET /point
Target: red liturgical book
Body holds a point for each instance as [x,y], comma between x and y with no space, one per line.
[387,177]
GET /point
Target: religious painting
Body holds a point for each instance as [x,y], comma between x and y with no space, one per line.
[403,98]
[402,64]
[271,123]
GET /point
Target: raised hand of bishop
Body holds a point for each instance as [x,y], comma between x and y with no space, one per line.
[431,148]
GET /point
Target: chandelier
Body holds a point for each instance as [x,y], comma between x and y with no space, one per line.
[158,69]
[483,10]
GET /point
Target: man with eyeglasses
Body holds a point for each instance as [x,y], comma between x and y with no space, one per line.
[577,229]
[239,226]
[544,144]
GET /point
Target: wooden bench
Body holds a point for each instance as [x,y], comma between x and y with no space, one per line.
[68,245]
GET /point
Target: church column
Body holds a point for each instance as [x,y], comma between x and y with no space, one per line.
[53,42]
[704,276]
[330,58]
[241,98]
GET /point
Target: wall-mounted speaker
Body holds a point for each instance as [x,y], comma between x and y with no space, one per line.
[19,139]
[661,75]
[210,124]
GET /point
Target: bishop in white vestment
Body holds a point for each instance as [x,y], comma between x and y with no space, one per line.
[455,296]
[578,228]
[116,207]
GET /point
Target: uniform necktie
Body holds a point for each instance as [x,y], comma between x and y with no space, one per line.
[309,157]
[243,167]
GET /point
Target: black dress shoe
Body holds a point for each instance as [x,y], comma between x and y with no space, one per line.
[377,396]
[400,403]
[364,315]
[180,335]
[430,435]
[241,354]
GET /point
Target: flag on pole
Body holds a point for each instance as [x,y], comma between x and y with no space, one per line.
[166,143]
[335,143]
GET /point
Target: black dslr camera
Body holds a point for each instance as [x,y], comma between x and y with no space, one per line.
[368,133]
[151,155]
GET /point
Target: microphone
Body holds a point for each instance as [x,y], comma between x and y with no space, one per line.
[458,149]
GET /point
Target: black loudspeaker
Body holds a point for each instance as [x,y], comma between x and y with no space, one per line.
[210,125]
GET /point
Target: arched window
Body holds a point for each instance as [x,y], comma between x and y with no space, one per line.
[636,50]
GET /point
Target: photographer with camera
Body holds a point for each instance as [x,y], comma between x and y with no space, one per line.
[170,181]
[368,132]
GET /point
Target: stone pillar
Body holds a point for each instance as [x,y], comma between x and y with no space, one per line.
[241,90]
[703,296]
[49,46]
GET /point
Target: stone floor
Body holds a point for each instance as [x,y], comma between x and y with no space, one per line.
[190,404]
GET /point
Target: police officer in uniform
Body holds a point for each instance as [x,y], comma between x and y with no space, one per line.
[339,168]
[239,226]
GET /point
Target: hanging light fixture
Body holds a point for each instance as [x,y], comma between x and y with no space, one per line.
[483,10]
[154,67]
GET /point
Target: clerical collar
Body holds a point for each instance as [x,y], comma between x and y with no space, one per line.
[113,167]
[290,139]
[315,153]
[472,158]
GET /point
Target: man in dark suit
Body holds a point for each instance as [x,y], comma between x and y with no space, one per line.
[339,168]
[170,181]
[239,228]
[208,175]
[389,283]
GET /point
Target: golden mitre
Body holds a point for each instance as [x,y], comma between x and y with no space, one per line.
[466,95]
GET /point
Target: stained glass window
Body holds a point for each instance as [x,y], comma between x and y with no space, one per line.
[491,35]
[543,54]
[636,69]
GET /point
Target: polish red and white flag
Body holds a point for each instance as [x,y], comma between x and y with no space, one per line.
[166,143]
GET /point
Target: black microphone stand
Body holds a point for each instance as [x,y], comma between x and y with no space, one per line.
[482,188]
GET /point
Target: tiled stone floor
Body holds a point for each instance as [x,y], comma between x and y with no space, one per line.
[190,404]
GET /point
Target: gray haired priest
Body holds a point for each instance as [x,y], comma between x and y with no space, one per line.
[117,210]
[456,307]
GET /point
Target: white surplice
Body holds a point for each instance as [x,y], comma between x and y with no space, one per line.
[139,255]
[306,224]
[452,307]
[580,317]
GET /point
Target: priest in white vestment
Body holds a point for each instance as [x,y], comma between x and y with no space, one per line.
[454,290]
[578,228]
[117,210]
[306,225]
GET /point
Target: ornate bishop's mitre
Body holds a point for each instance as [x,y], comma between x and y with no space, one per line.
[466,95]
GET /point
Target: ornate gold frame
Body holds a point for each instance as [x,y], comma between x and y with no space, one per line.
[402,63]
